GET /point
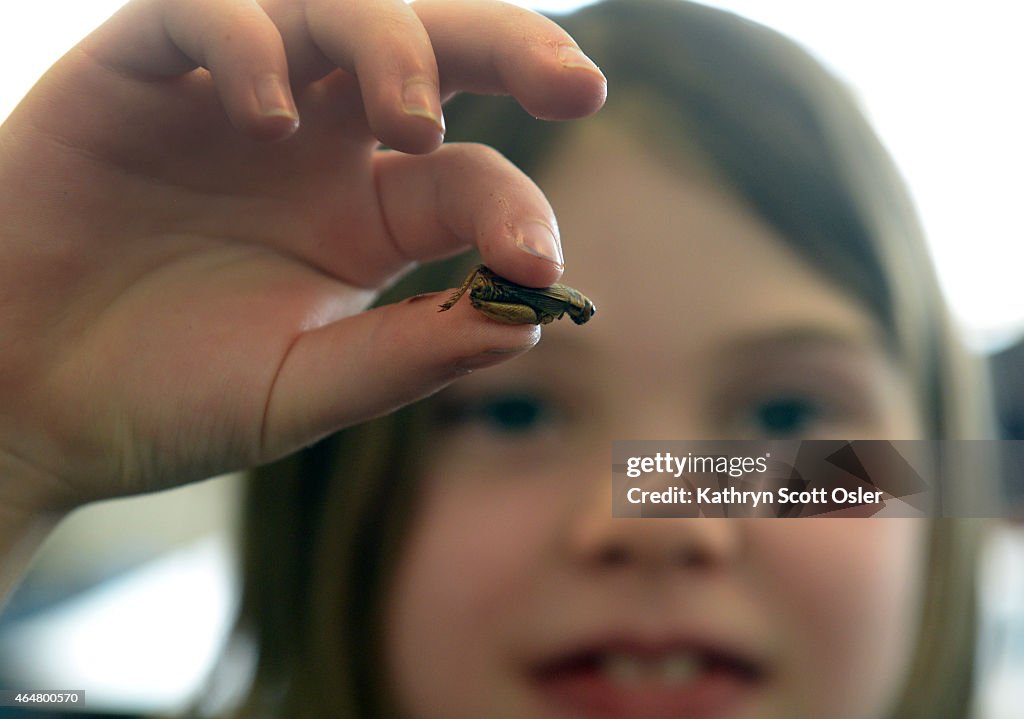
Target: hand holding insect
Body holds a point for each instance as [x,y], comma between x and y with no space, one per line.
[507,302]
[185,271]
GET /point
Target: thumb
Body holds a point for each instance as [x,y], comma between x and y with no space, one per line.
[377,361]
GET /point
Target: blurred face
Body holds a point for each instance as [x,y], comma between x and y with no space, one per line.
[518,595]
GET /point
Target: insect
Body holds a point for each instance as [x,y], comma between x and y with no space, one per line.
[513,304]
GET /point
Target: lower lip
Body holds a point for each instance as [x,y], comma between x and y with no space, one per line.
[713,695]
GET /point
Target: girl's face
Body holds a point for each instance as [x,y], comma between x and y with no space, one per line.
[518,595]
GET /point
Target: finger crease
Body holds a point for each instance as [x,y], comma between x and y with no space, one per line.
[389,234]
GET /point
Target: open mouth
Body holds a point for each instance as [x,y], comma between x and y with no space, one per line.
[672,683]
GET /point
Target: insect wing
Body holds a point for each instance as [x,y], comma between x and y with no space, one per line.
[552,300]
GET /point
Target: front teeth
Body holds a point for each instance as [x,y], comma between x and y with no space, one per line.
[628,669]
[679,668]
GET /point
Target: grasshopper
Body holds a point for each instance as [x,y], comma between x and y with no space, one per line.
[513,304]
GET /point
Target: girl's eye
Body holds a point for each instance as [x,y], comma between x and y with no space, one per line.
[514,413]
[508,414]
[785,416]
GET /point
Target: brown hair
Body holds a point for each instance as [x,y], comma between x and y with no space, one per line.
[323,527]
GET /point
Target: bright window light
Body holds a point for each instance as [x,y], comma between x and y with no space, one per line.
[144,641]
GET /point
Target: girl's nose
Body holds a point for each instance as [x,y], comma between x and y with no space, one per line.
[601,541]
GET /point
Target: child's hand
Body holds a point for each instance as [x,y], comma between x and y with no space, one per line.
[183,274]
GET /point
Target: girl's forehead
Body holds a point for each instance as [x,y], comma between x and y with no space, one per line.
[672,257]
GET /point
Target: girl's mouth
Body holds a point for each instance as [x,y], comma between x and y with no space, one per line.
[633,682]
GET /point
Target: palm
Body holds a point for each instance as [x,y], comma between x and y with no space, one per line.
[240,246]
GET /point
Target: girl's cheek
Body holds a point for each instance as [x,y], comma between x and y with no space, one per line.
[470,557]
[479,537]
[848,593]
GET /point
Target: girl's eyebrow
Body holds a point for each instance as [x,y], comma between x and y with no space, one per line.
[805,337]
[867,342]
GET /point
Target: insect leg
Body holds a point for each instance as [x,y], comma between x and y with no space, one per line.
[462,289]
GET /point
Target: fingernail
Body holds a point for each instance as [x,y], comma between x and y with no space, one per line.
[420,99]
[274,99]
[539,240]
[572,57]
[491,357]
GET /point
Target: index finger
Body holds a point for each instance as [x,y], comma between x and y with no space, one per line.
[492,48]
[406,57]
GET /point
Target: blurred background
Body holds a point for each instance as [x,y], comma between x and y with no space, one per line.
[132,600]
